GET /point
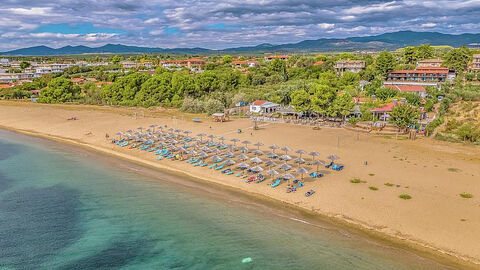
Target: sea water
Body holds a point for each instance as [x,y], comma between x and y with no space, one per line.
[66,208]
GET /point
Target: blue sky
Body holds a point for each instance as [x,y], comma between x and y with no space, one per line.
[222,23]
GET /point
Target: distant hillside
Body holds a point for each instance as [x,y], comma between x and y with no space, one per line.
[389,41]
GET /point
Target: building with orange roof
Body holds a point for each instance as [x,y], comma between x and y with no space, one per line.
[424,74]
[244,63]
[414,89]
[279,57]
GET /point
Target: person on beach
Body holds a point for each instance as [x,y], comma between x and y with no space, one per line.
[107,136]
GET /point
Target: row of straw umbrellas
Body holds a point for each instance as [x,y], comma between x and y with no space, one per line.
[234,150]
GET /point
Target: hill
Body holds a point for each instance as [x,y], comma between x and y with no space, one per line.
[389,41]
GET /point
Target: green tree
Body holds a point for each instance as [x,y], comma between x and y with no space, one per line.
[301,101]
[403,116]
[183,84]
[342,106]
[468,132]
[117,59]
[24,64]
[385,93]
[227,59]
[410,55]
[457,59]
[59,90]
[385,63]
[323,96]
[424,51]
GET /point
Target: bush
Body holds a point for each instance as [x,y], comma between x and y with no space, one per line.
[192,105]
[214,106]
[466,195]
[405,196]
[373,188]
[468,132]
[433,125]
[354,120]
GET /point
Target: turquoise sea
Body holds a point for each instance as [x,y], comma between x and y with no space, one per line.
[67,208]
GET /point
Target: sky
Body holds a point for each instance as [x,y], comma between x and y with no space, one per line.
[223,23]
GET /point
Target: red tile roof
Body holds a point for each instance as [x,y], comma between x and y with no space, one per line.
[318,63]
[387,108]
[5,86]
[258,102]
[77,80]
[36,91]
[407,88]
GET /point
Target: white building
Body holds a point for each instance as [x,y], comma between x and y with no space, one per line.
[263,106]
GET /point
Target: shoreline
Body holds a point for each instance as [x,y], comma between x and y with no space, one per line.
[403,242]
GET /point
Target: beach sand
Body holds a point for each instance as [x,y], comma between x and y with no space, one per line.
[434,173]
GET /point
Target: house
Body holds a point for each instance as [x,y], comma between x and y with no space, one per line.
[279,57]
[429,63]
[263,106]
[476,62]
[382,113]
[77,80]
[10,77]
[318,63]
[414,89]
[193,64]
[36,92]
[128,64]
[424,74]
[245,63]
[350,65]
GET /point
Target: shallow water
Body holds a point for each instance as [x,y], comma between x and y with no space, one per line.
[65,208]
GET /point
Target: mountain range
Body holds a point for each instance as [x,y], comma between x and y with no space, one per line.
[387,41]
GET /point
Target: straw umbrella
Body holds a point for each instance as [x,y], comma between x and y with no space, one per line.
[243,149]
[333,157]
[273,147]
[256,169]
[256,160]
[235,140]
[272,172]
[270,163]
[201,135]
[211,137]
[229,162]
[314,154]
[229,154]
[286,158]
[258,152]
[285,167]
[318,163]
[242,157]
[141,128]
[246,143]
[243,165]
[301,152]
[153,126]
[258,144]
[302,171]
[215,158]
[286,149]
[288,176]
[299,160]
[222,139]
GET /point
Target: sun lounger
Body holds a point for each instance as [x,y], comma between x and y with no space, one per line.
[238,174]
[225,171]
[276,183]
[329,165]
[219,167]
[339,168]
[335,166]
[159,157]
[309,193]
[213,165]
[229,173]
[204,164]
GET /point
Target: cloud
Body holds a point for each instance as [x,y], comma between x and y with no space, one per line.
[222,23]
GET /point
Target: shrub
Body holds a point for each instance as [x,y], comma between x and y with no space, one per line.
[214,106]
[468,132]
[356,181]
[405,196]
[193,105]
[388,184]
[466,195]
[354,120]
[373,188]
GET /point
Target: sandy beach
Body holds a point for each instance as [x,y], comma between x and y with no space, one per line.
[434,173]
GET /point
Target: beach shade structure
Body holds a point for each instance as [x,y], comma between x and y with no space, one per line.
[211,137]
[243,165]
[246,143]
[229,154]
[215,150]
[229,162]
[270,163]
[273,147]
[318,163]
[201,135]
[129,131]
[288,176]
[272,172]
[285,158]
[153,126]
[171,130]
[314,154]
[299,160]
[258,144]
[301,152]
[258,152]
[285,167]
[333,157]
[256,160]
[256,169]
[286,149]
[242,157]
[140,128]
[222,139]
[215,158]
[243,149]
[202,155]
[271,154]
[187,132]
[234,140]
[302,171]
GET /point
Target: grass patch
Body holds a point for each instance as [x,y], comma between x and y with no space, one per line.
[373,188]
[356,181]
[466,195]
[405,196]
[371,174]
[389,184]
[453,170]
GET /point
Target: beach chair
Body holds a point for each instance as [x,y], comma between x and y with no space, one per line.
[276,183]
[219,167]
[204,164]
[334,167]
[238,174]
[229,173]
[329,165]
[339,168]
[213,165]
[159,157]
